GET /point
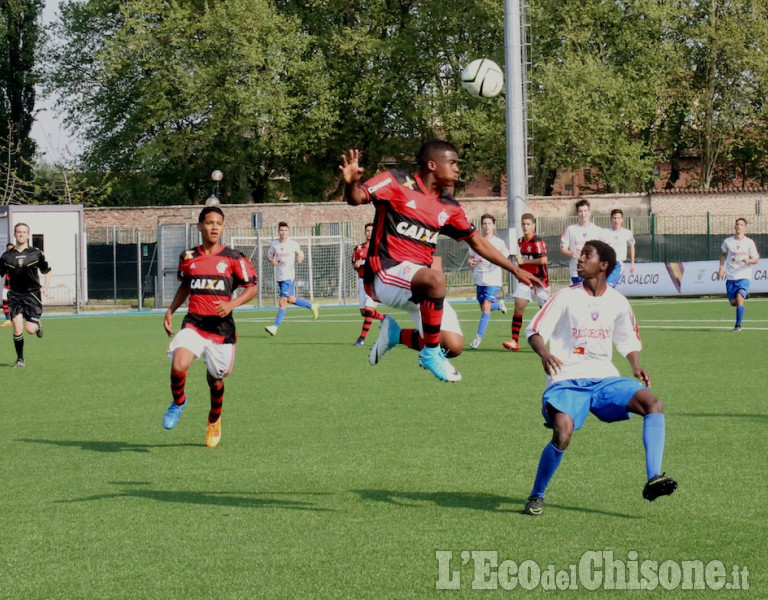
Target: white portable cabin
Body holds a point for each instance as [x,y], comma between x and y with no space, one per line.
[59,231]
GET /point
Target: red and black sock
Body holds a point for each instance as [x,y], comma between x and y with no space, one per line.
[178,383]
[411,339]
[517,324]
[370,314]
[18,343]
[431,318]
[217,399]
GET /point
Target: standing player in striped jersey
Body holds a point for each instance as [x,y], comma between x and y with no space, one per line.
[581,324]
[620,239]
[487,279]
[532,257]
[411,212]
[366,303]
[209,276]
[738,254]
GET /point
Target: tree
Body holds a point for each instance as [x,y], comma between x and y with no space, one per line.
[176,89]
[19,36]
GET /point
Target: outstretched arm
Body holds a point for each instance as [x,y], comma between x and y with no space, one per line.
[352,174]
[178,300]
[549,361]
[637,370]
[487,250]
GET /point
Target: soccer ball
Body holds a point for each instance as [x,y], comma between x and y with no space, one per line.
[482,78]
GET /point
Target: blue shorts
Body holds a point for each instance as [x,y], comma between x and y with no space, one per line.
[287,288]
[607,398]
[487,292]
[615,276]
[736,286]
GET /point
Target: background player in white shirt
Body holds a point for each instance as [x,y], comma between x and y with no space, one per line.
[488,281]
[575,236]
[284,253]
[581,324]
[620,239]
[738,254]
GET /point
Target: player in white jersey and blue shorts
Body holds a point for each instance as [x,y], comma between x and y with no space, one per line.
[738,254]
[582,323]
[620,239]
[283,254]
[488,280]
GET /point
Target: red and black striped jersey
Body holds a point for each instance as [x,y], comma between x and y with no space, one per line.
[531,249]
[408,220]
[213,278]
[360,252]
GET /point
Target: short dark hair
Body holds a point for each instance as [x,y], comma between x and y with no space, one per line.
[429,149]
[530,217]
[617,211]
[583,202]
[488,216]
[209,209]
[741,219]
[367,225]
[282,224]
[605,252]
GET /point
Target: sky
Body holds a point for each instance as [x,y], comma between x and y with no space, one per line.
[48,130]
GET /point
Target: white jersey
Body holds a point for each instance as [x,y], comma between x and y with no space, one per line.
[285,253]
[575,236]
[736,251]
[619,240]
[487,273]
[581,330]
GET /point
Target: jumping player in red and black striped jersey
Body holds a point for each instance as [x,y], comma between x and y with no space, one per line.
[411,211]
[209,276]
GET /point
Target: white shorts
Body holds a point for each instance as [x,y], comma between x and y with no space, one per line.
[218,358]
[393,288]
[526,292]
[363,299]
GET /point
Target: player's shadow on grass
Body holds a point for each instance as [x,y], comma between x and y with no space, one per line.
[106,446]
[758,417]
[486,502]
[223,499]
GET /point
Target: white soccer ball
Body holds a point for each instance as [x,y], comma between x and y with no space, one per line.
[217,175]
[482,78]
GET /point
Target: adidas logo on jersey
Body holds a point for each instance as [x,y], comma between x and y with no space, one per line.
[204,283]
[415,232]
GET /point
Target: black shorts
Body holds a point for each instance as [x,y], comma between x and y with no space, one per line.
[26,305]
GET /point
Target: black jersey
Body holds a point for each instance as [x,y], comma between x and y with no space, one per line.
[23,269]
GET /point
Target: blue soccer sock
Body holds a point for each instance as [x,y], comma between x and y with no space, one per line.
[280,316]
[548,463]
[303,303]
[739,315]
[654,434]
[483,324]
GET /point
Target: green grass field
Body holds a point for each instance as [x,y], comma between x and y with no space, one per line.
[335,479]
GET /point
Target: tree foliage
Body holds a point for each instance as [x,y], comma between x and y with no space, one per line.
[19,37]
[164,91]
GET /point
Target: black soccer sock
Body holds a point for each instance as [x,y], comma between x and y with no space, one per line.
[18,342]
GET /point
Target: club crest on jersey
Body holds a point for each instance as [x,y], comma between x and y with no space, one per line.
[416,232]
[221,268]
[204,283]
[595,315]
[442,218]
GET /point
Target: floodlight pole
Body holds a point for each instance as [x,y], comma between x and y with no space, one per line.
[517,168]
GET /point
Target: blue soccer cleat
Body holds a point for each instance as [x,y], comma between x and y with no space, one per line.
[434,361]
[389,337]
[171,416]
